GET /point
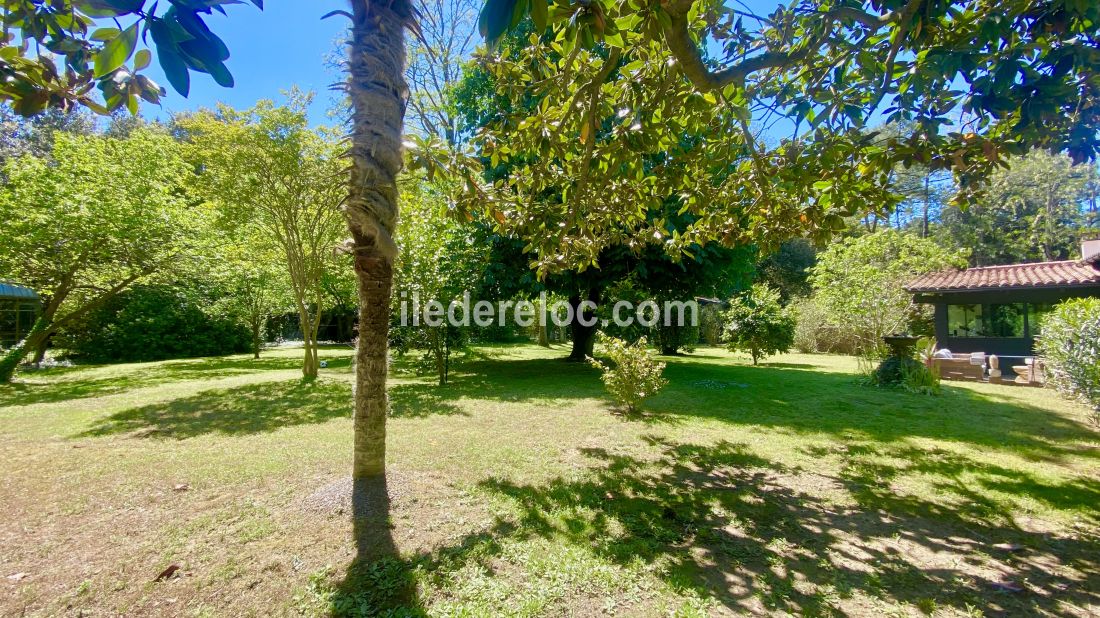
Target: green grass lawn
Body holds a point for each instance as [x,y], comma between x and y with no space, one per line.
[786,488]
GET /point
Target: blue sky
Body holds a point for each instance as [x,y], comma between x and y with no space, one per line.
[282,46]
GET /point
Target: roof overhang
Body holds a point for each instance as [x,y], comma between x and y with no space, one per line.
[10,291]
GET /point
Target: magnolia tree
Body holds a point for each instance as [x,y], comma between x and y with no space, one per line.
[98,217]
[1021,73]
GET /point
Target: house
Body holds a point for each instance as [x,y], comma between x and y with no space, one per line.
[19,308]
[999,309]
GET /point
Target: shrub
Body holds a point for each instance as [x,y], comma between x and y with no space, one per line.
[633,374]
[815,331]
[673,338]
[920,378]
[710,323]
[1070,347]
[149,323]
[758,324]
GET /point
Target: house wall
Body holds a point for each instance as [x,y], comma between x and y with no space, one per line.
[1002,346]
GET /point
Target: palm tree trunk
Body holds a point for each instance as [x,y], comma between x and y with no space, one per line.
[378,92]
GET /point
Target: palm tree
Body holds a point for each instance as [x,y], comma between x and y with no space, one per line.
[376,86]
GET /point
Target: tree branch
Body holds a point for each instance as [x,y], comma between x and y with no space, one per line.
[687,53]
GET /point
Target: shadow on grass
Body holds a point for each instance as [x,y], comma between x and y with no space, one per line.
[756,536]
[242,410]
[418,400]
[546,380]
[37,387]
[805,401]
[980,491]
[788,397]
[378,582]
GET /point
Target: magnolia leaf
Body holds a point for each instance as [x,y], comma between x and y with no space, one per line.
[142,59]
[116,52]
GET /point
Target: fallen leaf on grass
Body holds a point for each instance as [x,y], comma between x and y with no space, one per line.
[1007,587]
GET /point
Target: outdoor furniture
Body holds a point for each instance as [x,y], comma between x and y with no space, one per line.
[961,366]
[1030,373]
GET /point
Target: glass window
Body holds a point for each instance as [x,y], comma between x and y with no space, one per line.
[1035,314]
[1004,320]
[964,320]
[1001,320]
[7,324]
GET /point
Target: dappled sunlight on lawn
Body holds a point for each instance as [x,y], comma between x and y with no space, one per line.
[79,382]
[721,522]
[782,488]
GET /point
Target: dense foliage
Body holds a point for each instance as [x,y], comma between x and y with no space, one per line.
[1070,348]
[788,268]
[150,323]
[1033,211]
[614,118]
[100,215]
[438,262]
[757,323]
[860,285]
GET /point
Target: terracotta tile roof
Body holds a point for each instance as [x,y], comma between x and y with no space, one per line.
[1039,274]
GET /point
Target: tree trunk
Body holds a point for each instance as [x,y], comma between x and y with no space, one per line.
[377,89]
[257,329]
[584,337]
[13,357]
[309,342]
[40,350]
[544,334]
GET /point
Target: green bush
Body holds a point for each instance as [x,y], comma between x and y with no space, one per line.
[920,378]
[758,324]
[633,374]
[149,323]
[860,285]
[1070,348]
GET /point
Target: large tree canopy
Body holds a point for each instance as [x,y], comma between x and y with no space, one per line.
[102,214]
[598,103]
[271,176]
